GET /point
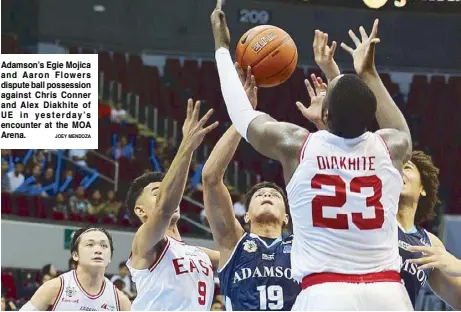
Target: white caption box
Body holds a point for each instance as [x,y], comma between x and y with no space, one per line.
[41,94]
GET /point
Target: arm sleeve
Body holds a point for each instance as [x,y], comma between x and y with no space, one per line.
[238,105]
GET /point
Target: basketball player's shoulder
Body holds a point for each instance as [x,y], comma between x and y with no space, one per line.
[51,290]
[124,301]
[397,142]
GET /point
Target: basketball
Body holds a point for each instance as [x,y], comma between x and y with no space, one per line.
[271,53]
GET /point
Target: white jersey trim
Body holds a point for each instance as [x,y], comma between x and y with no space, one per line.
[232,254]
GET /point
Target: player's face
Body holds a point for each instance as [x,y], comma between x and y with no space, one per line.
[148,201]
[267,204]
[93,250]
[412,186]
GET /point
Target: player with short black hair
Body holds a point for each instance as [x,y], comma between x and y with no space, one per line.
[86,287]
[343,184]
[349,106]
[254,268]
[169,274]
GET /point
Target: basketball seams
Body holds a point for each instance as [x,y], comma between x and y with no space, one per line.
[283,69]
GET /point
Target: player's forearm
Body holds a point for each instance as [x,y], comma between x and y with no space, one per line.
[172,187]
[238,105]
[220,157]
[388,114]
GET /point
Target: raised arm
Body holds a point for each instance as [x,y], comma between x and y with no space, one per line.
[277,140]
[171,190]
[388,114]
[217,200]
[218,203]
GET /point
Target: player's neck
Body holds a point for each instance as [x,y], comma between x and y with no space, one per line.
[406,215]
[173,231]
[266,230]
[90,281]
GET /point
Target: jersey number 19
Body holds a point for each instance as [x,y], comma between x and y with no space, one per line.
[273,293]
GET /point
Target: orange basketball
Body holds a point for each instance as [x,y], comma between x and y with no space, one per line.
[270,52]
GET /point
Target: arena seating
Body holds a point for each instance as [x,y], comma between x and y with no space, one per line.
[430,106]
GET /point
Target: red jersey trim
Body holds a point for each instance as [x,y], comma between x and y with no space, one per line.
[321,278]
[117,299]
[61,289]
[385,145]
[160,256]
[90,296]
[303,147]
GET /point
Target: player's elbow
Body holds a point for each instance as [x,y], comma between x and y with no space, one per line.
[211,177]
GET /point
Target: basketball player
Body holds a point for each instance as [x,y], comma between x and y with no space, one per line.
[417,201]
[84,288]
[343,184]
[169,274]
[438,267]
[254,268]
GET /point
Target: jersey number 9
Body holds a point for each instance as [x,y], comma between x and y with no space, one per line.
[201,288]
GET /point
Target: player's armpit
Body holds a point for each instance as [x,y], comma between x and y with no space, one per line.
[125,303]
[277,140]
[399,145]
[214,256]
[47,294]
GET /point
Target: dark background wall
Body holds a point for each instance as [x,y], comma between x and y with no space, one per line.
[410,40]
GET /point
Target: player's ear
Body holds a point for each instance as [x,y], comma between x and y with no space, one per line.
[75,256]
[246,218]
[286,220]
[423,192]
[140,211]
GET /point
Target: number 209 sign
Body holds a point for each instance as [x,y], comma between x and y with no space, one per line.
[254,16]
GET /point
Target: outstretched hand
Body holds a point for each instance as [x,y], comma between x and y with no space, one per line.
[324,55]
[437,257]
[364,52]
[193,129]
[219,27]
[249,84]
[317,93]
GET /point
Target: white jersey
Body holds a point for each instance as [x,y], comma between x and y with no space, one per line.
[72,296]
[343,200]
[181,278]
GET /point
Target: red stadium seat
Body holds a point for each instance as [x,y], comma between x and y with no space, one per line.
[22,204]
[8,285]
[7,203]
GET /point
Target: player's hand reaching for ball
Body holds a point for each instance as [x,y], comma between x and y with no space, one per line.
[313,113]
[249,84]
[437,257]
[194,130]
[324,55]
[219,27]
[364,52]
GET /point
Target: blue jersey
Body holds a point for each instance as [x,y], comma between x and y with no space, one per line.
[258,276]
[412,277]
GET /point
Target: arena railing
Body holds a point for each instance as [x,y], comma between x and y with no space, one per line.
[167,128]
[113,181]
